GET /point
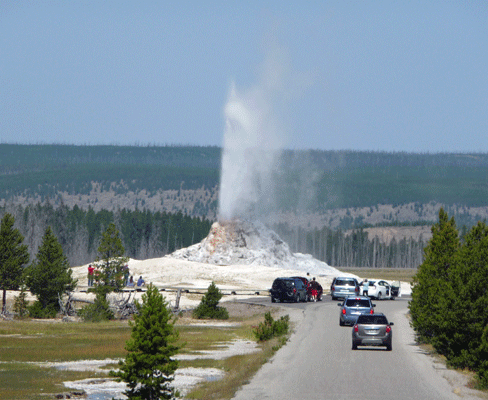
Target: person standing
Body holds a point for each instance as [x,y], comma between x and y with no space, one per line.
[365,287]
[91,269]
[126,275]
[315,290]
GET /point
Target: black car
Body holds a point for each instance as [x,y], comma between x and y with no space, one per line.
[288,289]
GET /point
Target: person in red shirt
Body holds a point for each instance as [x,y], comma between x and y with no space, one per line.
[91,268]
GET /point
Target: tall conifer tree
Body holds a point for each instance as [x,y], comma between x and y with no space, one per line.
[432,291]
[50,275]
[467,319]
[13,256]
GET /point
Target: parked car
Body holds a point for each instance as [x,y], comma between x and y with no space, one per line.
[288,289]
[343,287]
[377,289]
[395,289]
[353,307]
[372,330]
[308,284]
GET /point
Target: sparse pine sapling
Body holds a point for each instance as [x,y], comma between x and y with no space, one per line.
[209,305]
[149,366]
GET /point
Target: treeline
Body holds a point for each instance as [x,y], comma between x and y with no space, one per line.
[144,234]
[353,249]
[305,180]
[450,297]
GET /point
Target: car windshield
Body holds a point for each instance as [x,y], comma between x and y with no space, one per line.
[357,303]
[283,283]
[372,320]
[344,282]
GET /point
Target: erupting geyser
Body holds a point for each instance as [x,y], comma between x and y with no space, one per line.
[253,143]
[251,151]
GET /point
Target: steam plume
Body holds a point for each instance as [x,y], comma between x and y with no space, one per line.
[253,141]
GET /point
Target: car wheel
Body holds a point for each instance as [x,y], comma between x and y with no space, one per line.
[380,296]
[341,322]
[273,300]
[354,346]
[388,347]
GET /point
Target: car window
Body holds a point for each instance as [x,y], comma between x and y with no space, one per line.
[357,303]
[372,319]
[344,282]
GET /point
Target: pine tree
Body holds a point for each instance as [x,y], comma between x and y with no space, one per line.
[13,255]
[49,276]
[149,366]
[21,303]
[209,306]
[467,319]
[111,260]
[432,293]
[110,276]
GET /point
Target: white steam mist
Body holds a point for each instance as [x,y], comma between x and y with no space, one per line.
[252,145]
[254,139]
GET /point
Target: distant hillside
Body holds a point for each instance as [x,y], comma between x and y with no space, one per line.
[338,189]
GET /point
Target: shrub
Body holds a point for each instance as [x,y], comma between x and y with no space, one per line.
[271,328]
[98,311]
[38,310]
[21,305]
[209,306]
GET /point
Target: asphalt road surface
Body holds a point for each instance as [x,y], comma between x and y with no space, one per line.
[318,363]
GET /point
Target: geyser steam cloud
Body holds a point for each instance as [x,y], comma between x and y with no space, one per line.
[253,141]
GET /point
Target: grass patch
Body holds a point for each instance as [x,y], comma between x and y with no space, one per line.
[29,381]
[31,341]
[24,343]
[389,274]
[239,371]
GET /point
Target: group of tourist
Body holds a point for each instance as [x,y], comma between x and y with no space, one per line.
[128,278]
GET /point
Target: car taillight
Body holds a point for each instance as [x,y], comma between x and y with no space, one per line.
[356,329]
[344,311]
[388,328]
[294,290]
[371,311]
[332,287]
[357,290]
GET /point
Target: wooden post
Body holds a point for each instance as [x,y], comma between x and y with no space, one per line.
[177,302]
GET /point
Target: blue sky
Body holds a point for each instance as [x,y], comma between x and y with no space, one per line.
[361,75]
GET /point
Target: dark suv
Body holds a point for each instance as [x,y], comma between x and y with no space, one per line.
[288,289]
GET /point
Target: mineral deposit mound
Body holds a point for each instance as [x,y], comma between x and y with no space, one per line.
[251,243]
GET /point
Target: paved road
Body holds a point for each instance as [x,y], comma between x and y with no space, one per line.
[318,363]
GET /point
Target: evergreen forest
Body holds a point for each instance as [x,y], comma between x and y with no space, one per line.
[340,179]
[34,178]
[144,234]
